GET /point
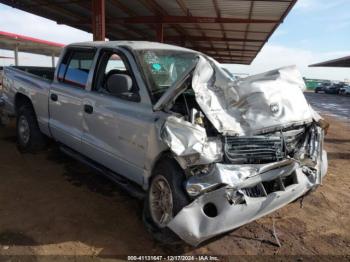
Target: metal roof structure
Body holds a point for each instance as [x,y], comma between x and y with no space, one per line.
[231,31]
[340,62]
[10,41]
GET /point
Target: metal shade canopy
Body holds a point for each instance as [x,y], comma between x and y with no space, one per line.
[231,31]
[340,62]
[10,41]
[21,43]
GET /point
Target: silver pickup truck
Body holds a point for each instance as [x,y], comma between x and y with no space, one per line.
[209,152]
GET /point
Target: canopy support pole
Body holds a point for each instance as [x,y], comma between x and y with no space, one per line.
[53,60]
[16,55]
[160,35]
[98,20]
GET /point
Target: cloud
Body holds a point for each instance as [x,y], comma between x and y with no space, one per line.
[275,56]
[318,5]
[304,4]
[280,32]
[20,22]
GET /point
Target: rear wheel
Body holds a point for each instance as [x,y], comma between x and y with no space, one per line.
[29,136]
[166,197]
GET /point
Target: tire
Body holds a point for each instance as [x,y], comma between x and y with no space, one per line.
[170,172]
[29,136]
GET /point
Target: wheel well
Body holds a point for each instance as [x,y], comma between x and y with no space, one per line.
[160,158]
[21,100]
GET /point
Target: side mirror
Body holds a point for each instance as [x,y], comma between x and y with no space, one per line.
[120,85]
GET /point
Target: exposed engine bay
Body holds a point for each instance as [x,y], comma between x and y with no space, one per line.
[219,111]
[187,106]
[258,149]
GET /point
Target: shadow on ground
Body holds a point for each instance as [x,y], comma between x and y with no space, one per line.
[334,155]
[59,200]
[336,141]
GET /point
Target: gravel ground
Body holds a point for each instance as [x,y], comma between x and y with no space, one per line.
[52,205]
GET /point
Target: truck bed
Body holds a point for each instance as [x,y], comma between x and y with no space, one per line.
[43,72]
[31,82]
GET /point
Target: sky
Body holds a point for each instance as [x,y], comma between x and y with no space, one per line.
[314,31]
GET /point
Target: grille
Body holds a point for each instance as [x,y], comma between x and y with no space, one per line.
[263,149]
[268,187]
[251,150]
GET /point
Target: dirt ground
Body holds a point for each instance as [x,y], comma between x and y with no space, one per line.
[52,205]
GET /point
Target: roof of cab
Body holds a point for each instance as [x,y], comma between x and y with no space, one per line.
[136,45]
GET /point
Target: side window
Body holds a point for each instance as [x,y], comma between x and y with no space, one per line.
[115,63]
[63,67]
[75,67]
[115,78]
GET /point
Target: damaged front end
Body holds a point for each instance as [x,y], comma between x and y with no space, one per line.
[247,148]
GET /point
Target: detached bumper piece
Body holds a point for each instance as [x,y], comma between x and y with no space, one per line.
[213,213]
[265,188]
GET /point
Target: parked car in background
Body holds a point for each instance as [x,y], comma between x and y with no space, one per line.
[322,87]
[345,90]
[334,88]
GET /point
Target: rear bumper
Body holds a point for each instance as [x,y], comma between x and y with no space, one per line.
[194,225]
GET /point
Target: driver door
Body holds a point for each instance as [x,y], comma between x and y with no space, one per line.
[115,133]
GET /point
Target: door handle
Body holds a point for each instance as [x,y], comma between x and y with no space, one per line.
[88,109]
[54,97]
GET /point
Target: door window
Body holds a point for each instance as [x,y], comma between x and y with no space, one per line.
[75,67]
[113,65]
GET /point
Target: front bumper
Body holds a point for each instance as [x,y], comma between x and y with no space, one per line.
[236,205]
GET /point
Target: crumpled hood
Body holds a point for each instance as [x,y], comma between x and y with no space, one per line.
[261,103]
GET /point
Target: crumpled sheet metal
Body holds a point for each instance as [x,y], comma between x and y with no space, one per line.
[256,104]
[190,143]
[194,227]
[238,176]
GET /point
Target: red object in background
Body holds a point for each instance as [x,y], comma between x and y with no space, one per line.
[28,38]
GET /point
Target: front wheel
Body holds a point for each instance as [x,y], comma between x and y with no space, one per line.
[166,197]
[160,199]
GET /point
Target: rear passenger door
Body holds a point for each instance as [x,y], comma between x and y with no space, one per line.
[67,94]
